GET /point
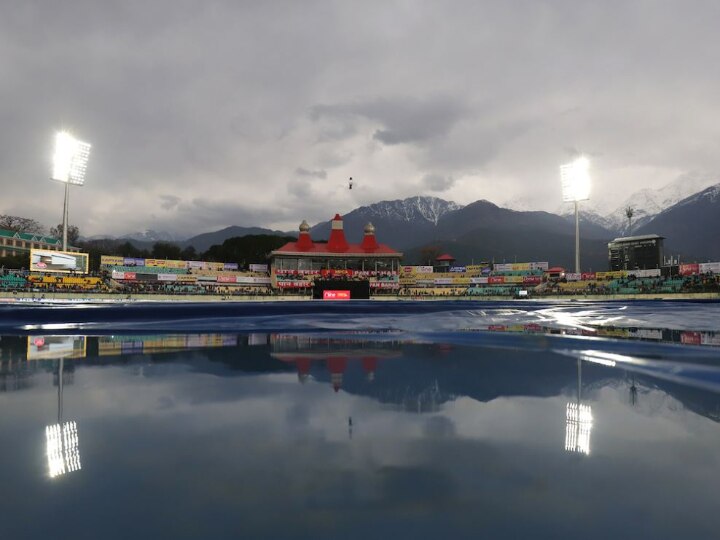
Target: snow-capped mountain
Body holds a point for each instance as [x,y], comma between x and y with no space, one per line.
[151,235]
[147,236]
[645,203]
[403,222]
[588,213]
[711,195]
[690,226]
[411,209]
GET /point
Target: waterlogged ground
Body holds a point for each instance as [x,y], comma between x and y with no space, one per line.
[361,420]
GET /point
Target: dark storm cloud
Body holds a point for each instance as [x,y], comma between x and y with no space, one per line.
[437,182]
[404,119]
[209,101]
[169,202]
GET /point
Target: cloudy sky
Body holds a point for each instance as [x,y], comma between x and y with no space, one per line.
[216,113]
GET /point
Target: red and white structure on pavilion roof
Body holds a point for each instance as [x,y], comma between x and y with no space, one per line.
[336,258]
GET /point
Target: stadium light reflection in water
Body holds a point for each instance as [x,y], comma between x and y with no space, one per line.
[63,453]
[63,450]
[579,422]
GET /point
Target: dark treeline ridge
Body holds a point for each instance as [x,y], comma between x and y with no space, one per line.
[243,250]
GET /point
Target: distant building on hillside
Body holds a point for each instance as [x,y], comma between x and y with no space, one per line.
[14,243]
[444,262]
[636,252]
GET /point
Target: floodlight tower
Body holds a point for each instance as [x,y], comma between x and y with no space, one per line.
[575,180]
[69,165]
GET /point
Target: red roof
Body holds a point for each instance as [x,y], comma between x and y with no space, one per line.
[337,244]
[445,257]
[352,249]
[555,270]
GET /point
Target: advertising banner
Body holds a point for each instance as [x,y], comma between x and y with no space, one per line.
[182,278]
[294,284]
[710,338]
[64,262]
[521,266]
[539,265]
[158,263]
[513,279]
[494,280]
[691,338]
[175,264]
[709,268]
[258,267]
[226,279]
[532,327]
[646,333]
[476,267]
[251,280]
[336,295]
[108,260]
[117,275]
[131,276]
[199,265]
[424,269]
[166,277]
[443,281]
[653,272]
[532,280]
[230,266]
[479,280]
[502,267]
[384,285]
[458,268]
[132,261]
[689,269]
[573,276]
[618,274]
[587,276]
[214,266]
[257,339]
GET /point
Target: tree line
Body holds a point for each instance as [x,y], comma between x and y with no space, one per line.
[244,250]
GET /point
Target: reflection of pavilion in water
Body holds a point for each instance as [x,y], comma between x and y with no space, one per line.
[336,353]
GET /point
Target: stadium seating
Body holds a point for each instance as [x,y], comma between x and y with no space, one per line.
[12,281]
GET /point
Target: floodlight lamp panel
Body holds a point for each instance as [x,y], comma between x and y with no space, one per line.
[70,159]
[575,179]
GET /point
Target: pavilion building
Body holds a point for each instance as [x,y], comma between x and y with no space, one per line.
[297,264]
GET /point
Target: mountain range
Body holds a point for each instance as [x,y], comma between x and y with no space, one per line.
[483,230]
[645,204]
